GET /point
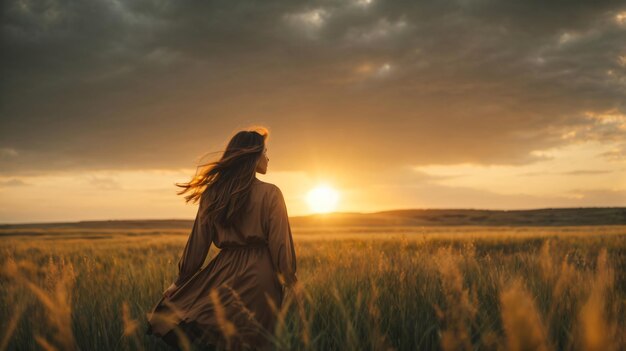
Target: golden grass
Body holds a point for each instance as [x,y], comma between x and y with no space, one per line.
[456,288]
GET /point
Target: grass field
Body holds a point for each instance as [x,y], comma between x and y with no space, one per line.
[450,288]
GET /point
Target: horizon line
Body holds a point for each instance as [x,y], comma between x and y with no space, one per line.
[328,213]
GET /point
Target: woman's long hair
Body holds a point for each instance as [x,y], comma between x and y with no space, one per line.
[226,183]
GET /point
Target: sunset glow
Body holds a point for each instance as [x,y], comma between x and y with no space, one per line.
[322,199]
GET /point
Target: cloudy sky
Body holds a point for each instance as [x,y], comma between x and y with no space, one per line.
[104,105]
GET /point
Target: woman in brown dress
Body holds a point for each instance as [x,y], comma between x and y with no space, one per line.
[232,302]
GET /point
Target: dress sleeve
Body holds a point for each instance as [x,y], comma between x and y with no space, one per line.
[280,240]
[196,249]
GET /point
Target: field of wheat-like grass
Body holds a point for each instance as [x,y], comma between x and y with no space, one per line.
[446,288]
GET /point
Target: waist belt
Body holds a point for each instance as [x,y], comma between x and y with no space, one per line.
[246,246]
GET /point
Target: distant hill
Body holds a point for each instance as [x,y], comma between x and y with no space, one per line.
[404,218]
[457,217]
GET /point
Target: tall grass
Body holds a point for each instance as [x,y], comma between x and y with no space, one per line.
[547,291]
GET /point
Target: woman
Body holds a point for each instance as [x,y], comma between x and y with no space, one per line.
[231,303]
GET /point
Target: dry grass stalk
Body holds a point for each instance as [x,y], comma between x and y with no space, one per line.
[45,344]
[546,263]
[522,324]
[597,333]
[12,325]
[460,310]
[170,319]
[131,326]
[56,302]
[379,340]
[227,327]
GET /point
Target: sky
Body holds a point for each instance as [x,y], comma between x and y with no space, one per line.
[487,104]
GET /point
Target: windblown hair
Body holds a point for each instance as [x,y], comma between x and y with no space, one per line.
[226,183]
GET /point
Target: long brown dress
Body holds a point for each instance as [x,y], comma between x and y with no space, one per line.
[232,302]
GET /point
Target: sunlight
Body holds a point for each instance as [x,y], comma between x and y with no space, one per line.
[322,199]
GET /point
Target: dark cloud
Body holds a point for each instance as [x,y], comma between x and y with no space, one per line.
[586,172]
[153,84]
[12,183]
[105,183]
[574,172]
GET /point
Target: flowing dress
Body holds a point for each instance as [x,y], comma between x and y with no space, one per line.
[233,301]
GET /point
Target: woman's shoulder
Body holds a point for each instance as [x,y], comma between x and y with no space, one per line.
[263,184]
[267,187]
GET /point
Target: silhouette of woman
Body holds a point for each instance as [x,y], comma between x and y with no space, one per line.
[232,303]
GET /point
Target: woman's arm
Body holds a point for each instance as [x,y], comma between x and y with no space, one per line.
[196,249]
[280,240]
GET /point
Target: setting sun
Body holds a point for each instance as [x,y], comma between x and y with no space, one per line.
[322,199]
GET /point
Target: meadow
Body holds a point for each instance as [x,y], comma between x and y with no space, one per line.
[400,288]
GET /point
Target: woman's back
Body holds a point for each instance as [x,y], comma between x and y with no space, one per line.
[246,279]
[254,224]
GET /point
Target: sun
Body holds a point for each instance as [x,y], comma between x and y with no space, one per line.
[322,199]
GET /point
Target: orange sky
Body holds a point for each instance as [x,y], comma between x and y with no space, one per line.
[443,105]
